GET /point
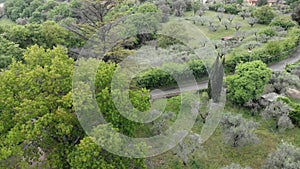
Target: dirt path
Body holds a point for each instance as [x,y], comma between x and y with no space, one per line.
[157,94]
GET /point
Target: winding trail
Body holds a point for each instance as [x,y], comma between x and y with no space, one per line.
[170,92]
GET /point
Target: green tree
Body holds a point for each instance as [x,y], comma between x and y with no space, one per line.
[264,14]
[286,156]
[47,35]
[37,118]
[248,81]
[8,51]
[237,131]
[283,21]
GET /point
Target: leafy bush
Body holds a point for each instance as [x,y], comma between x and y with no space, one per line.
[248,82]
[264,14]
[216,6]
[155,78]
[236,58]
[283,21]
[231,9]
[198,68]
[48,34]
[269,32]
[237,131]
[295,113]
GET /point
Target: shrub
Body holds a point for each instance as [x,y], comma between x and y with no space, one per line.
[294,115]
[283,21]
[248,82]
[237,131]
[216,6]
[231,9]
[234,59]
[156,78]
[264,14]
[286,156]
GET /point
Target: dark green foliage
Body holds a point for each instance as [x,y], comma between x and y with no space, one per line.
[264,14]
[9,51]
[270,52]
[215,6]
[235,59]
[231,9]
[216,80]
[283,21]
[198,68]
[156,78]
[294,115]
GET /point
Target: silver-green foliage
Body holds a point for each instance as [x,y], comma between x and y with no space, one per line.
[286,156]
[237,131]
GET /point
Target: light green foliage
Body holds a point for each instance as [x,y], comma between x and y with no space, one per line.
[147,8]
[48,35]
[87,155]
[36,112]
[139,99]
[264,14]
[248,81]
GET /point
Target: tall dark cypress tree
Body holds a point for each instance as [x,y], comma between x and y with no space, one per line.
[216,80]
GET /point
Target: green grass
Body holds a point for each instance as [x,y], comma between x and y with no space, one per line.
[214,154]
[221,32]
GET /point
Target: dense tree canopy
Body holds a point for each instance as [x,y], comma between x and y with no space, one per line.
[38,11]
[8,51]
[264,14]
[248,81]
[37,120]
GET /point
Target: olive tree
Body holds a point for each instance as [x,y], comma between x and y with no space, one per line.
[235,166]
[286,156]
[179,7]
[187,146]
[252,21]
[237,131]
[278,111]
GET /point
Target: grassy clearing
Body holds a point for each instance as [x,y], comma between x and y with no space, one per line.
[214,154]
[221,32]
